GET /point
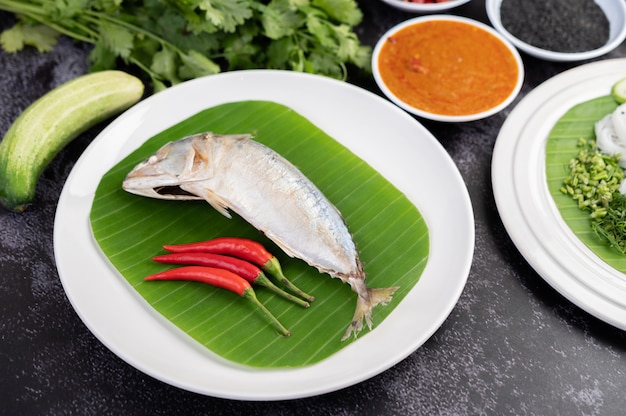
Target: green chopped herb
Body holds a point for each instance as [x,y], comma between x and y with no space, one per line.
[612,226]
[593,182]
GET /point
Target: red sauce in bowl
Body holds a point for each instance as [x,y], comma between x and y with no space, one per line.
[448,67]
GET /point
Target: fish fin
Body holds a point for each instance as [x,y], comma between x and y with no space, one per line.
[364,306]
[218,203]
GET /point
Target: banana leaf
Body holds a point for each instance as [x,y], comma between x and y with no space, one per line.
[389,231]
[561,148]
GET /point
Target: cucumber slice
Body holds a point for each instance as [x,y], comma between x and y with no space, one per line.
[619,91]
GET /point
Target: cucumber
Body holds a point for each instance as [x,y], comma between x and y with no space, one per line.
[619,91]
[53,121]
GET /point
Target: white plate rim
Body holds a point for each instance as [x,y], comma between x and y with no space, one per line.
[526,208]
[425,7]
[141,337]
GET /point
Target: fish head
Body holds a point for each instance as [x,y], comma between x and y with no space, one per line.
[165,174]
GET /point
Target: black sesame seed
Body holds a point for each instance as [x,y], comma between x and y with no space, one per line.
[556,25]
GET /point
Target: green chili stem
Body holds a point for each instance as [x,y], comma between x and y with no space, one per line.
[273,267]
[249,294]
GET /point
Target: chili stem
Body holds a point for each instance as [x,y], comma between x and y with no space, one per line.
[272,266]
[265,282]
[249,294]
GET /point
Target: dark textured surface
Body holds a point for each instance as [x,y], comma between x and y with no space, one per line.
[512,345]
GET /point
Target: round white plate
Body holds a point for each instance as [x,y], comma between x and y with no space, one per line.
[528,211]
[380,133]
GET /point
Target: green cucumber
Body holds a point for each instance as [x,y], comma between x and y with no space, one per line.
[54,120]
[619,91]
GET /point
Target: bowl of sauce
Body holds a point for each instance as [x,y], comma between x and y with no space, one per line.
[447,68]
[560,30]
[425,6]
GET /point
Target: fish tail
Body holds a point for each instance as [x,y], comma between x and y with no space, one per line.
[364,306]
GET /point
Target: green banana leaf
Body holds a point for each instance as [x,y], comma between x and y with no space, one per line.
[389,231]
[561,148]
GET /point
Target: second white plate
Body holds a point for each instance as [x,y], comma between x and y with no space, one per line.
[526,207]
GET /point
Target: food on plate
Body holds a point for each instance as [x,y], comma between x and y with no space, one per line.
[593,182]
[220,278]
[448,67]
[243,268]
[54,120]
[611,134]
[234,172]
[596,178]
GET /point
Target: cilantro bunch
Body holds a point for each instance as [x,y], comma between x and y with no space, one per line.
[175,40]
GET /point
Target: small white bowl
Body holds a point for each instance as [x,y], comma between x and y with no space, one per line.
[425,7]
[615,12]
[443,117]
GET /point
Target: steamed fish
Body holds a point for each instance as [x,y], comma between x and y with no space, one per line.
[236,173]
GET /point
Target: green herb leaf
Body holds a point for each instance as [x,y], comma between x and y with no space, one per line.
[225,14]
[197,65]
[41,37]
[344,11]
[280,20]
[101,58]
[65,9]
[164,64]
[117,39]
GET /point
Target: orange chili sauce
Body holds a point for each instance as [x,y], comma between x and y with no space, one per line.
[447,67]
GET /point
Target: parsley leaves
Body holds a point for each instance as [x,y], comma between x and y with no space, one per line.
[175,40]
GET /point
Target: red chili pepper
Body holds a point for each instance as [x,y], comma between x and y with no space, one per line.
[220,278]
[247,270]
[245,249]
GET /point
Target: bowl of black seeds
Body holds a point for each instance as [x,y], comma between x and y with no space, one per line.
[560,30]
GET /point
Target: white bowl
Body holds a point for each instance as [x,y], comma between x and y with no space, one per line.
[615,12]
[425,7]
[443,117]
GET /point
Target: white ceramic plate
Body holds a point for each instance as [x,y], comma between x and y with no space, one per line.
[380,133]
[526,207]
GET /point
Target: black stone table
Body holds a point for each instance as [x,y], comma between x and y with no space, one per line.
[512,344]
